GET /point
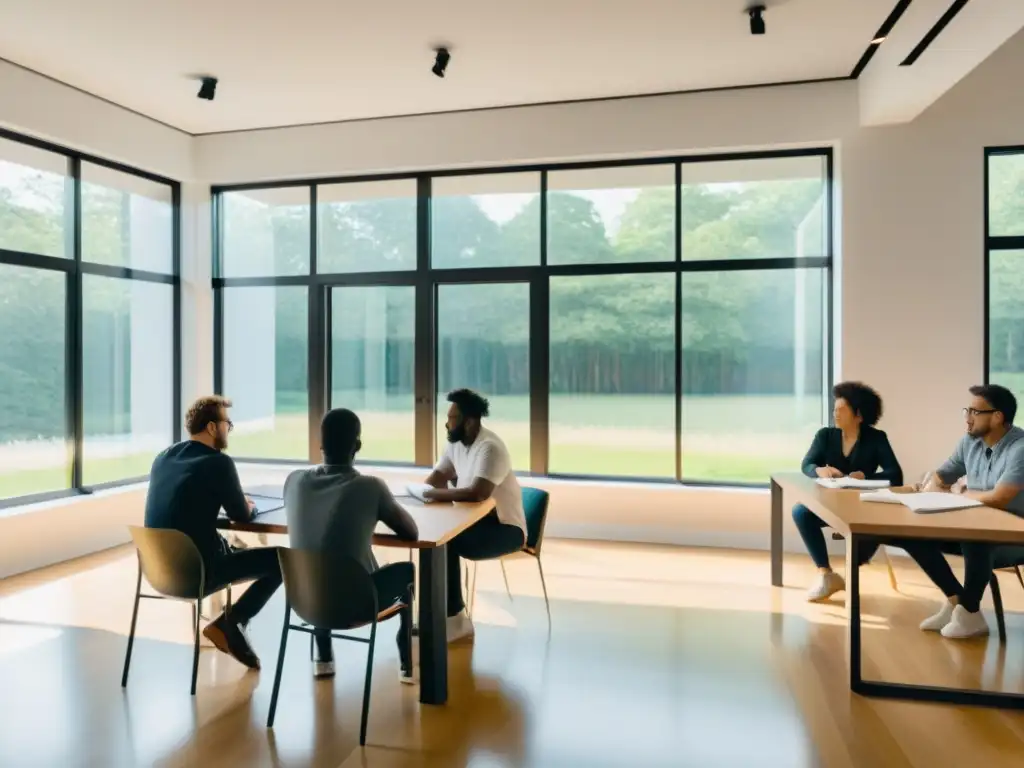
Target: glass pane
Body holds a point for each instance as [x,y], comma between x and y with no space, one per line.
[490,220]
[265,232]
[127,221]
[372,349]
[367,227]
[1006,319]
[35,200]
[754,209]
[753,371]
[128,378]
[266,337]
[34,456]
[612,407]
[483,338]
[612,215]
[1006,195]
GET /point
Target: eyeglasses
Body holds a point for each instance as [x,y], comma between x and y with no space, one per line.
[976,411]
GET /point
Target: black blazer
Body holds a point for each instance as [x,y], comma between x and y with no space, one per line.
[871,455]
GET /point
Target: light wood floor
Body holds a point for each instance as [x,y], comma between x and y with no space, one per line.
[656,656]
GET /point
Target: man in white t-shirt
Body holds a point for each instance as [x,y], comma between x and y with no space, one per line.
[476,466]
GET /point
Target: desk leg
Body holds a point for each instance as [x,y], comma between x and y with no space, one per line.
[776,534]
[432,626]
[853,548]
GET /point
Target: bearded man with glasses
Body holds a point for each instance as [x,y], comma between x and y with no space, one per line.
[987,465]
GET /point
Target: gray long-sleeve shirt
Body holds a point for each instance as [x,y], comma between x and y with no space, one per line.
[336,509]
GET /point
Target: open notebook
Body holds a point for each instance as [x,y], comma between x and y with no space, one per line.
[922,502]
[850,482]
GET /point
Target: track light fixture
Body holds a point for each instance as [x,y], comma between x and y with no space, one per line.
[441,61]
[756,13]
[208,88]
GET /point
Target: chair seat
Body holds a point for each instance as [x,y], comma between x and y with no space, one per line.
[382,615]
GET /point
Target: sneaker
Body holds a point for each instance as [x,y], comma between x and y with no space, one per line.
[827,585]
[408,676]
[459,627]
[323,669]
[938,622]
[228,637]
[965,624]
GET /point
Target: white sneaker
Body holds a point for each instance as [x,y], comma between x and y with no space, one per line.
[459,627]
[826,586]
[965,624]
[408,678]
[939,621]
[322,669]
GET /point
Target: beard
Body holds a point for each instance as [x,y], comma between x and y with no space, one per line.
[457,434]
[220,442]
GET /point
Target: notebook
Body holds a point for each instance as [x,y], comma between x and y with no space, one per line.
[850,482]
[416,490]
[931,501]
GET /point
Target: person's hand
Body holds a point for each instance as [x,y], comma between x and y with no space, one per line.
[960,486]
[857,475]
[251,504]
[828,472]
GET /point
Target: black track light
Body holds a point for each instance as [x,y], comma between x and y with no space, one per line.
[441,62]
[756,13]
[208,88]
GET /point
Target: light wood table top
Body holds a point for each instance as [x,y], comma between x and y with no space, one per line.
[438,523]
[844,511]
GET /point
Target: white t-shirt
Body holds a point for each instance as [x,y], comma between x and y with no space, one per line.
[488,458]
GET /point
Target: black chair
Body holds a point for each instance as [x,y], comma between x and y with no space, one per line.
[329,592]
[997,597]
[174,568]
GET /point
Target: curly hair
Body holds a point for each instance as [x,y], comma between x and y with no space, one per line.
[470,404]
[205,410]
[862,399]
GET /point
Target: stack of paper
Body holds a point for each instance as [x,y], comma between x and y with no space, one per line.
[922,502]
[416,490]
[850,482]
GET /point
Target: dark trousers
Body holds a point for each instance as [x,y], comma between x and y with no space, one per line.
[394,582]
[978,559]
[260,565]
[486,539]
[810,527]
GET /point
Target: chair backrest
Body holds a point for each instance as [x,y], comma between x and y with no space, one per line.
[328,590]
[169,560]
[535,507]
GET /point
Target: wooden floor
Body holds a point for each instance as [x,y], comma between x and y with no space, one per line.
[656,656]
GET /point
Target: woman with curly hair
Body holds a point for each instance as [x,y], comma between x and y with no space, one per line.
[852,448]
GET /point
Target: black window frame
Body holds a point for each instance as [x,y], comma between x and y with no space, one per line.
[993,243]
[74,268]
[427,279]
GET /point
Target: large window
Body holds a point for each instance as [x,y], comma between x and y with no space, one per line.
[662,319]
[88,379]
[1005,245]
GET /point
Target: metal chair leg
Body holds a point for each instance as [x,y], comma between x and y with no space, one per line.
[280,663]
[366,687]
[131,631]
[544,586]
[505,575]
[892,573]
[1020,578]
[471,593]
[997,600]
[227,608]
[195,650]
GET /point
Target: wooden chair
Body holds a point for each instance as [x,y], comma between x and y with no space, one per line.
[535,508]
[330,592]
[174,568]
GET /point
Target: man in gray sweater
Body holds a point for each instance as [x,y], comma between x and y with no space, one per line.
[332,508]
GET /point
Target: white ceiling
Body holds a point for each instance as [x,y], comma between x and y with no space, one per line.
[289,62]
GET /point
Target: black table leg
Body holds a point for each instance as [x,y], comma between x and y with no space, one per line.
[432,626]
[854,544]
[776,534]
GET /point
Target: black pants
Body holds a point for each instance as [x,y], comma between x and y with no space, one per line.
[978,559]
[260,565]
[394,582]
[486,539]
[810,527]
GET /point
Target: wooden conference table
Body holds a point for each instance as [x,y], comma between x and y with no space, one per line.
[438,524]
[863,523]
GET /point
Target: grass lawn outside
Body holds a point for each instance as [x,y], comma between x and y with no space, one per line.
[726,439]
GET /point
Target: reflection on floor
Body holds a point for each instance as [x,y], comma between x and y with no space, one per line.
[656,656]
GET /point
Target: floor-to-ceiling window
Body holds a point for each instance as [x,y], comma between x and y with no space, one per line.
[89,372]
[662,319]
[1004,245]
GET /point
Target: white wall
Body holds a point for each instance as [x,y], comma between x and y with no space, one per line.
[910,251]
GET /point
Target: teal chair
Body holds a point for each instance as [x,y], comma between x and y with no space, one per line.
[535,508]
